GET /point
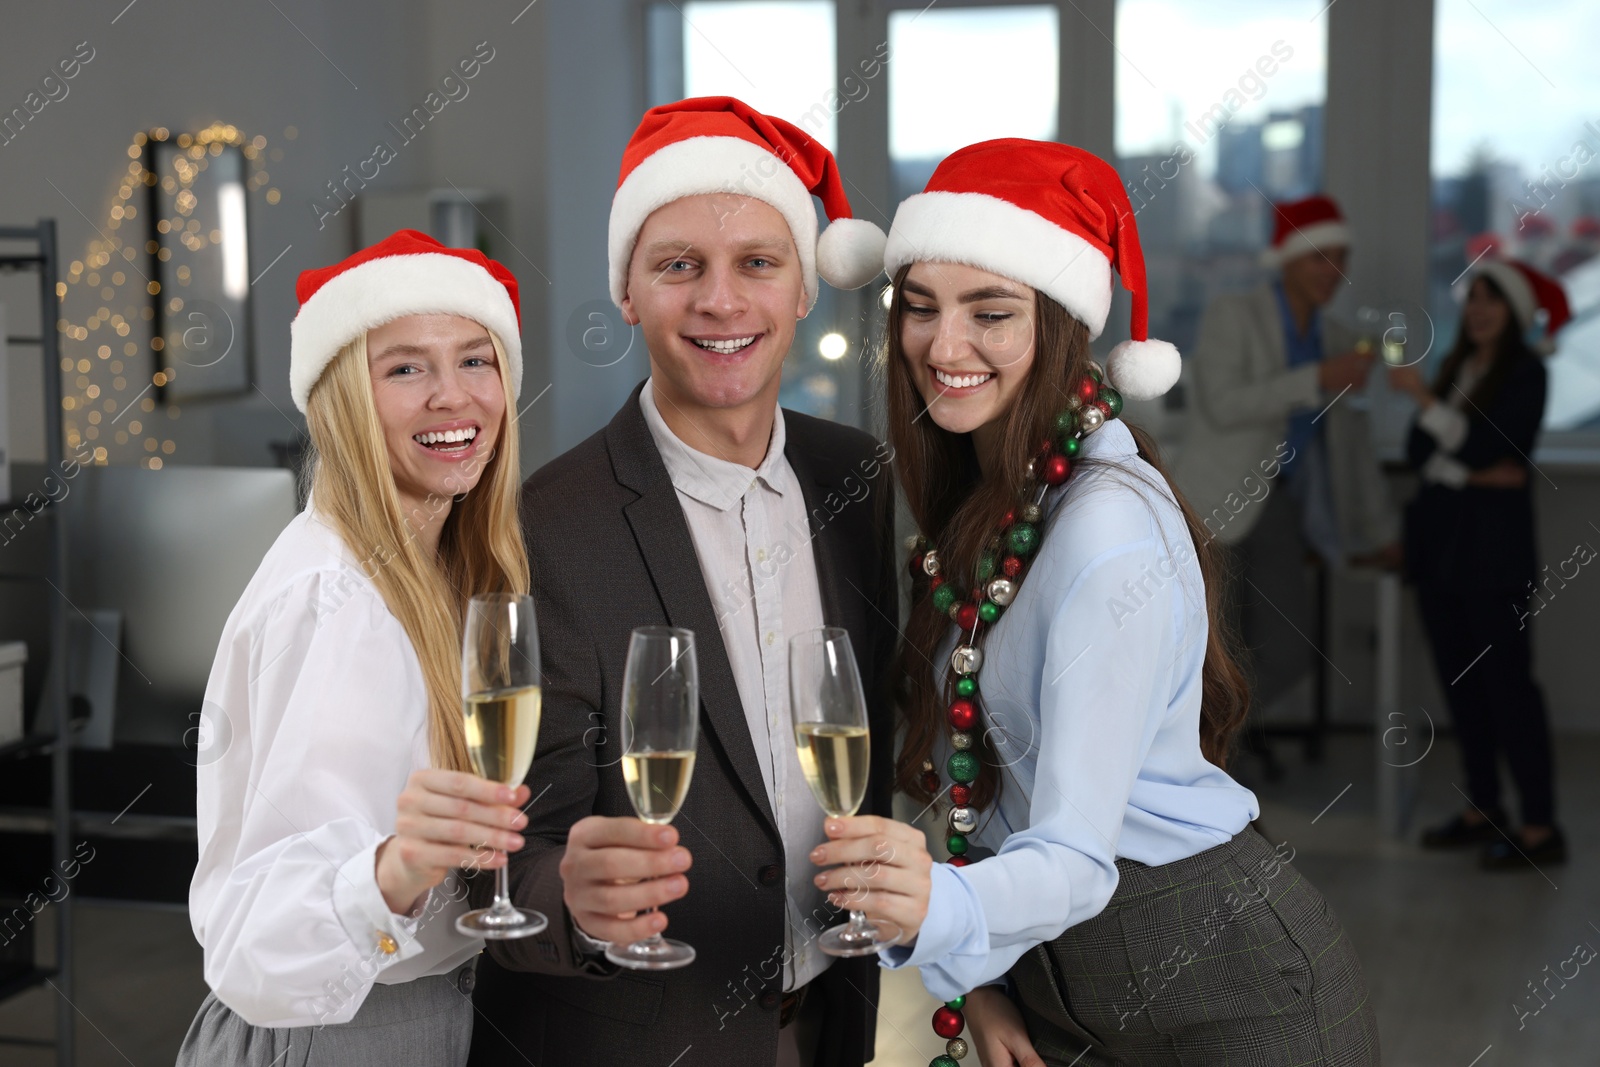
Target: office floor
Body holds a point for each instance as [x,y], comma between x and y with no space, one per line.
[1448,951]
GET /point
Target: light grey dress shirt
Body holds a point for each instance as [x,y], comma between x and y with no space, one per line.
[753,541]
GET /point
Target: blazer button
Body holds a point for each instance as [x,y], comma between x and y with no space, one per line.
[467,980]
[770,999]
[771,874]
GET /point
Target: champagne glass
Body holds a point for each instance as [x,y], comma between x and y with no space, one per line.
[660,729]
[834,745]
[500,697]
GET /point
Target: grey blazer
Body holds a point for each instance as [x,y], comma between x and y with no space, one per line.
[610,550]
[1244,392]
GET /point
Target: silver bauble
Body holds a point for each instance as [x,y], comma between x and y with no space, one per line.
[1091,419]
[960,740]
[963,820]
[956,1048]
[966,659]
[1032,513]
[930,563]
[1001,591]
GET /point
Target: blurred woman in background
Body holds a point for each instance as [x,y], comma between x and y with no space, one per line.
[1469,547]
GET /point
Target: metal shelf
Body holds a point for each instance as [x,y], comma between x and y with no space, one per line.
[53,729]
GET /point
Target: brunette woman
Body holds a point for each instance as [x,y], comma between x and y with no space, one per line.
[1470,550]
[1070,695]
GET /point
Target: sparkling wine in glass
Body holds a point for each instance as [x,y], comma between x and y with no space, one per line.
[500,698]
[660,729]
[831,737]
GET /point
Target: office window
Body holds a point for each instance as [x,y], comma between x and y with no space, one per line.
[1516,171]
[961,75]
[1218,114]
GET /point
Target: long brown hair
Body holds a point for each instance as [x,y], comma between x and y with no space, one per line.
[955,505]
[480,546]
[1510,349]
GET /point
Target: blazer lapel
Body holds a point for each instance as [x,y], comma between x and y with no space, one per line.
[662,534]
[842,605]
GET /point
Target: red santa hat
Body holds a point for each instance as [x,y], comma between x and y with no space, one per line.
[1530,291]
[407,273]
[1053,217]
[716,144]
[1314,224]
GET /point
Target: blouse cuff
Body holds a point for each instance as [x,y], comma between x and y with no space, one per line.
[942,931]
[1446,470]
[365,915]
[1447,425]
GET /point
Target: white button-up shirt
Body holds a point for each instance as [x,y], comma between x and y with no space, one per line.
[753,542]
[315,715]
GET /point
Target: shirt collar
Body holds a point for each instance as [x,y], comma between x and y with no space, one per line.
[709,479]
[1313,321]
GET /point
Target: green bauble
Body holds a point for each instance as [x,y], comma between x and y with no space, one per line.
[1070,447]
[988,611]
[1094,371]
[963,767]
[1023,538]
[1066,422]
[967,686]
[943,597]
[985,568]
[943,1061]
[1112,398]
[957,844]
[957,1004]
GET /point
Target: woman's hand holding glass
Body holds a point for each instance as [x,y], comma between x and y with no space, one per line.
[879,868]
[447,820]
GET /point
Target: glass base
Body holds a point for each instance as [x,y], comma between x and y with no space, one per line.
[501,925]
[865,939]
[652,954]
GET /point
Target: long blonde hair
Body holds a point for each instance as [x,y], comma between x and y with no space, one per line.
[480,547]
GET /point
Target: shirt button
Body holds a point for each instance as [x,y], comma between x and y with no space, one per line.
[771,637]
[761,555]
[386,944]
[780,800]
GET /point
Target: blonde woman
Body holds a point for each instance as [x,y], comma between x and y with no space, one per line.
[334,820]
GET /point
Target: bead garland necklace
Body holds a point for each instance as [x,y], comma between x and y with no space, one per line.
[1000,571]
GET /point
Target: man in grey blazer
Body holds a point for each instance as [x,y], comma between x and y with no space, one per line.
[1277,460]
[702,505]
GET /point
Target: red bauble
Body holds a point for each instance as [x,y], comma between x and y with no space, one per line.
[1007,519]
[1012,566]
[1105,409]
[960,795]
[967,616]
[930,782]
[936,581]
[958,861]
[1088,389]
[963,714]
[1055,469]
[916,562]
[948,1023]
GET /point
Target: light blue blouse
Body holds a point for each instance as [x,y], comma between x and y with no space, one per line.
[1091,686]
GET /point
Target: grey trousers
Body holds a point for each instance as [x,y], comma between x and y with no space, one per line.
[426,1022]
[1226,957]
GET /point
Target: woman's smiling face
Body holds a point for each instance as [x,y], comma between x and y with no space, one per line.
[967,337]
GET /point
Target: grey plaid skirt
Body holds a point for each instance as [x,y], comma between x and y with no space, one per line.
[1226,957]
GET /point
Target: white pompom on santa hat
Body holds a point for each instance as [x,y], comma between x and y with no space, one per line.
[717,144]
[1053,217]
[406,273]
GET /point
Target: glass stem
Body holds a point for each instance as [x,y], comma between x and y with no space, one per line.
[652,940]
[858,922]
[502,893]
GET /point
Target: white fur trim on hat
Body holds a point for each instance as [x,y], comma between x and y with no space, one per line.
[996,235]
[700,165]
[1143,370]
[382,290]
[1315,238]
[1524,305]
[850,253]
